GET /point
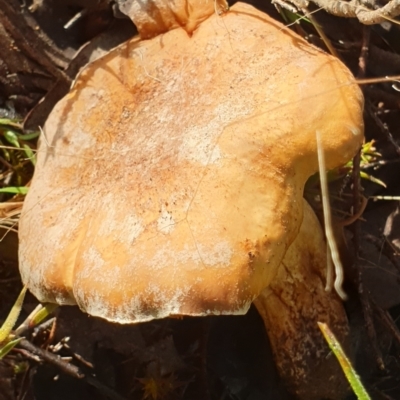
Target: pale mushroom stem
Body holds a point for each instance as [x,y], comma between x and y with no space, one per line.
[291,307]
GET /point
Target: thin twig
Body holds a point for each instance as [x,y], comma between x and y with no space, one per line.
[382,126]
[321,33]
[362,60]
[69,369]
[388,322]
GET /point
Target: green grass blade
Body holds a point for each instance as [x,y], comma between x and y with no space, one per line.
[10,321]
[8,347]
[371,178]
[30,154]
[11,137]
[28,136]
[42,314]
[351,375]
[10,122]
[15,190]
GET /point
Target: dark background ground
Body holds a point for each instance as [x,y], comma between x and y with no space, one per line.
[216,357]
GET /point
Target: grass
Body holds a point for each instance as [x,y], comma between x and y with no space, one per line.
[17,162]
[7,341]
[347,368]
[9,338]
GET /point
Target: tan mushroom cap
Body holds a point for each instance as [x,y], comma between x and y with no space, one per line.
[153,17]
[171,178]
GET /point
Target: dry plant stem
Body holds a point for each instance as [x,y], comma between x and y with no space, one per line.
[75,18]
[353,9]
[394,250]
[357,215]
[6,164]
[372,112]
[53,359]
[52,332]
[11,205]
[82,360]
[328,221]
[378,164]
[321,33]
[8,228]
[388,78]
[282,4]
[14,148]
[29,356]
[356,201]
[389,198]
[368,317]
[387,249]
[28,37]
[362,61]
[26,324]
[387,321]
[69,369]
[46,325]
[9,216]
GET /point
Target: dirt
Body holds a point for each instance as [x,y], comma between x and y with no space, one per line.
[215,357]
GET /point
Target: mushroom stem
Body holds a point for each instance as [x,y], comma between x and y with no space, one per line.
[291,307]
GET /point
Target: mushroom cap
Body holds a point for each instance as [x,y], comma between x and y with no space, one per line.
[169,180]
[153,17]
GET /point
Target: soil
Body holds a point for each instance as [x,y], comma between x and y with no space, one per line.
[214,357]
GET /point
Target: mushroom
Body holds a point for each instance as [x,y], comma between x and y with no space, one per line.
[169,181]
